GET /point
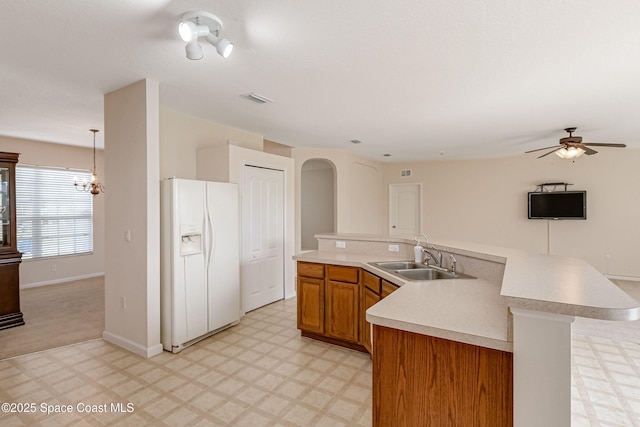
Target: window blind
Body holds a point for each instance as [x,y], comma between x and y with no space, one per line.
[53,219]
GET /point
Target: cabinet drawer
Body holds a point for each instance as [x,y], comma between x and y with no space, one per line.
[309,269]
[339,273]
[371,281]
[387,288]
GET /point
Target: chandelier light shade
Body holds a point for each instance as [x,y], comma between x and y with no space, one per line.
[94,187]
[194,25]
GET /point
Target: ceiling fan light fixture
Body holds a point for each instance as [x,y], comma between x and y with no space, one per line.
[570,152]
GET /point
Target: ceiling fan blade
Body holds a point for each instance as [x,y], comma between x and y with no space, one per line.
[540,149]
[588,151]
[552,151]
[604,144]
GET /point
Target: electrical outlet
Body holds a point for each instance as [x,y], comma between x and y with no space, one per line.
[394,248]
[341,244]
[607,255]
[123,303]
[54,268]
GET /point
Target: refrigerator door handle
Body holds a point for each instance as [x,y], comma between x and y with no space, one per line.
[210,237]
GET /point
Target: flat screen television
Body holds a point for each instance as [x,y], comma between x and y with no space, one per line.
[558,205]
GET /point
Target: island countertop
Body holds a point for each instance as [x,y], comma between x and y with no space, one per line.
[475,311]
[464,310]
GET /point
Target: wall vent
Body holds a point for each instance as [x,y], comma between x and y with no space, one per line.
[406,172]
[252,96]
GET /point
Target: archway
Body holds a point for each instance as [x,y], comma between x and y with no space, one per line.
[318,201]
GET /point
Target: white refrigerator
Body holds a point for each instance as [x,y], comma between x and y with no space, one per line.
[200,260]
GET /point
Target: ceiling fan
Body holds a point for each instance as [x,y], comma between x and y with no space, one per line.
[572,146]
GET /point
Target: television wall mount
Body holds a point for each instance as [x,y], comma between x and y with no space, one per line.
[542,188]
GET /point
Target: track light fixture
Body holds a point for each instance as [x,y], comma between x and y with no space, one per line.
[194,25]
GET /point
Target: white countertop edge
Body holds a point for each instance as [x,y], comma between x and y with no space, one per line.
[450,335]
[598,313]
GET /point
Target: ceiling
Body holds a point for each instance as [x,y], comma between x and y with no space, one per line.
[413,78]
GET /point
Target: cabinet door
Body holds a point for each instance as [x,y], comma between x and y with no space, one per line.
[310,304]
[387,288]
[342,316]
[369,298]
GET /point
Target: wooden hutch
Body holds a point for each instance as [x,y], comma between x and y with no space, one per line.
[10,257]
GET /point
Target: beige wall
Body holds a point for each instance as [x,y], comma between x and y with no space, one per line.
[486,201]
[358,186]
[181,135]
[317,203]
[39,272]
[132,262]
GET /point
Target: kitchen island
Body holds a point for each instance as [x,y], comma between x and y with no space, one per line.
[524,311]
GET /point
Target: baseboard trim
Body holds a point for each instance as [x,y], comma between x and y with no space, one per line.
[146,352]
[58,281]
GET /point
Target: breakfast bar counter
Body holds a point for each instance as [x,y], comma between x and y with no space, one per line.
[526,310]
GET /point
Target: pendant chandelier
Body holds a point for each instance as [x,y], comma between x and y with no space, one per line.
[94,187]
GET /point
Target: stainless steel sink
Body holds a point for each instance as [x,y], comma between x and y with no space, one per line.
[430,274]
[416,271]
[399,265]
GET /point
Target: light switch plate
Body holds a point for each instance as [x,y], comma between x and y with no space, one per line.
[394,248]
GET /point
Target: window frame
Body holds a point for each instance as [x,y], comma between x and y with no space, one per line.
[53,219]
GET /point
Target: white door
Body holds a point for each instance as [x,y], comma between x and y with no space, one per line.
[405,209]
[262,265]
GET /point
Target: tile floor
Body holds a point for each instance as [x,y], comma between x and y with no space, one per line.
[605,382]
[262,373]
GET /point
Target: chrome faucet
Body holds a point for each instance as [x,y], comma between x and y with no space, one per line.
[437,258]
[427,250]
[454,262]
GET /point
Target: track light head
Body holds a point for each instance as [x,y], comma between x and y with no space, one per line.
[187,30]
[194,25]
[194,50]
[223,46]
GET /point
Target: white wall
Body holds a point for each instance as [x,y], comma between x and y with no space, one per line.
[132,279]
[486,201]
[39,272]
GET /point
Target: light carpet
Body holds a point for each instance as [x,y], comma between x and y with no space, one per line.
[55,316]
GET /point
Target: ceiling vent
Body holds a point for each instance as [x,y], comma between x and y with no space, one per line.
[252,96]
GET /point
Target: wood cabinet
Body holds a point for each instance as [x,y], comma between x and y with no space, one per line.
[10,257]
[420,380]
[333,300]
[310,290]
[370,295]
[329,303]
[387,288]
[342,303]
